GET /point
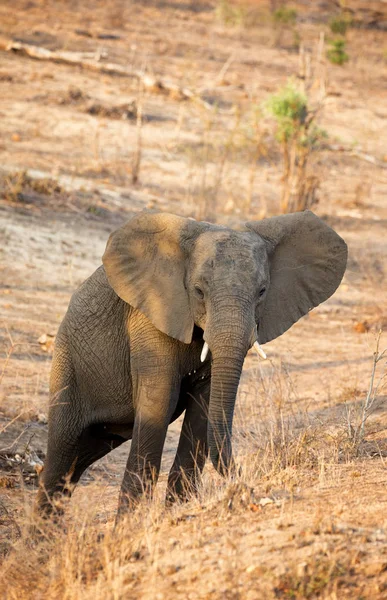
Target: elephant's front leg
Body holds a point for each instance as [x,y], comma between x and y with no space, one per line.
[155,405]
[156,386]
[193,448]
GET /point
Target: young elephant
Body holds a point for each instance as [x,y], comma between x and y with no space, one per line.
[163,327]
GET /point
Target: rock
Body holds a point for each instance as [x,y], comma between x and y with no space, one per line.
[265,501]
[251,568]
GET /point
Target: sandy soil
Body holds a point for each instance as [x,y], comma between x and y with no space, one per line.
[50,243]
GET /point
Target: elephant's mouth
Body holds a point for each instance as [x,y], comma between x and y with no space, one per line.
[256,347]
[202,374]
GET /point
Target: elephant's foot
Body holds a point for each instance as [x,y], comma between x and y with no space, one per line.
[182,486]
[51,505]
[130,499]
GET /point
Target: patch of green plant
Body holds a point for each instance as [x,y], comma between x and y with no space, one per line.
[313,137]
[336,54]
[284,16]
[289,109]
[299,137]
[93,209]
[296,40]
[237,16]
[339,25]
[230,15]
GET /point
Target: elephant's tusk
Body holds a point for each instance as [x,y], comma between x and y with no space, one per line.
[204,353]
[259,350]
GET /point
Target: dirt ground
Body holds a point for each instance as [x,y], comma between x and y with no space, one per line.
[323,530]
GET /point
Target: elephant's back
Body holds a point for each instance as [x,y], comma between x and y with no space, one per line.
[96,296]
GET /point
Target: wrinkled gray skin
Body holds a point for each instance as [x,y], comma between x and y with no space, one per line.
[127,357]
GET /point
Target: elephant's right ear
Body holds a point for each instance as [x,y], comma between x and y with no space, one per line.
[145,265]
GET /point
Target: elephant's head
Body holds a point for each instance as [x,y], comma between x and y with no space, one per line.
[237,286]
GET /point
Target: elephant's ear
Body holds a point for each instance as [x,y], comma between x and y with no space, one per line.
[145,265]
[307,262]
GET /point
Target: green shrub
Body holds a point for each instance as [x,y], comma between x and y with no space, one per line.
[299,137]
[285,16]
[339,25]
[336,53]
[289,109]
[230,15]
[240,15]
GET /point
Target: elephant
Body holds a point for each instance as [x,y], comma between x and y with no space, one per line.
[163,327]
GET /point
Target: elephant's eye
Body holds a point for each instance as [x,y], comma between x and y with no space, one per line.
[262,291]
[199,292]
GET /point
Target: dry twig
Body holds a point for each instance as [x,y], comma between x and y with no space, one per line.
[372,388]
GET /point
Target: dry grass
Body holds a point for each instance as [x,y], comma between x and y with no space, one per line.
[216,545]
[305,515]
[19,187]
[227,539]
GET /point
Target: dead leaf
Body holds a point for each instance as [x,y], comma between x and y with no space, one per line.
[361,327]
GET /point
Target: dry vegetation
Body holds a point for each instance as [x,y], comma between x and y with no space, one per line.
[181,106]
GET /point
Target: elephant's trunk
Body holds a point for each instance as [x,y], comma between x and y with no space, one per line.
[225,375]
[229,335]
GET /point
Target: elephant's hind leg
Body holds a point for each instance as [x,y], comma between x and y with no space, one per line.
[64,427]
[192,449]
[59,469]
[67,459]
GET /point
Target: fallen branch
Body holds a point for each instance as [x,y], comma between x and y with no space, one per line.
[369,158]
[361,155]
[92,62]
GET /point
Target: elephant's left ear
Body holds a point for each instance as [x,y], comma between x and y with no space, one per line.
[307,262]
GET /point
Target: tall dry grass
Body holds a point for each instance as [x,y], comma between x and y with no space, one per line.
[84,556]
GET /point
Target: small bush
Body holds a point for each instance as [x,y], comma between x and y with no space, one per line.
[336,54]
[230,15]
[19,187]
[284,23]
[339,25]
[289,108]
[299,137]
[285,16]
[237,16]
